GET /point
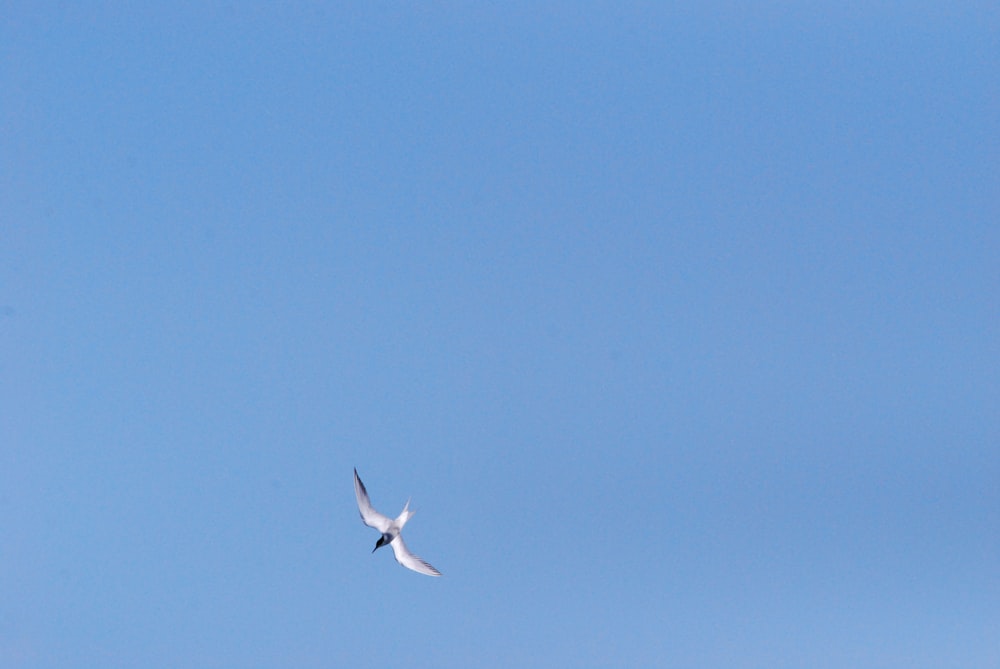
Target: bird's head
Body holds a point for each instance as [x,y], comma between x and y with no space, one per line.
[381,542]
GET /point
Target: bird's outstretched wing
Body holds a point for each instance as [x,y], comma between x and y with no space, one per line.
[370,516]
[409,560]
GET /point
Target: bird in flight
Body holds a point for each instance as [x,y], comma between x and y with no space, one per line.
[390,530]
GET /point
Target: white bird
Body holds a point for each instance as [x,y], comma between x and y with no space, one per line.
[390,530]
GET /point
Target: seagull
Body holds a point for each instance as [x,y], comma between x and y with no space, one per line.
[390,530]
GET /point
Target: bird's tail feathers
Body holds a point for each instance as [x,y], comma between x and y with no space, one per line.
[405,515]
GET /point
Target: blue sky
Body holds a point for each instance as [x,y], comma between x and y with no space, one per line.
[680,326]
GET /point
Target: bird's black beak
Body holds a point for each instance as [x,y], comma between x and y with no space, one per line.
[378,544]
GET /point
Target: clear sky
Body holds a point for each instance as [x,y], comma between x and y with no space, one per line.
[680,326]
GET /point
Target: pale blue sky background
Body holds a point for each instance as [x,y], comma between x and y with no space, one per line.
[681,327]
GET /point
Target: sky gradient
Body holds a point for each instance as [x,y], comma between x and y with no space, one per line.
[680,326]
